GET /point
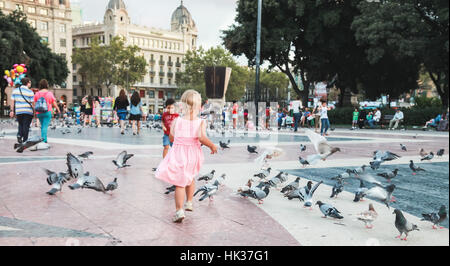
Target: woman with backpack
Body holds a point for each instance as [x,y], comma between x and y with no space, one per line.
[44,102]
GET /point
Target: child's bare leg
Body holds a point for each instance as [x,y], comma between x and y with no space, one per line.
[179,197]
[166,150]
[190,191]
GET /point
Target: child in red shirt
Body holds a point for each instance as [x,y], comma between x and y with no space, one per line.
[167,118]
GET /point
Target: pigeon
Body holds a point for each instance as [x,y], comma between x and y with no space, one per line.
[53,127]
[121,160]
[428,157]
[208,191]
[389,176]
[368,216]
[375,164]
[86,155]
[384,156]
[302,148]
[57,183]
[224,145]
[303,161]
[278,179]
[260,194]
[28,144]
[343,176]
[329,210]
[337,188]
[170,189]
[291,186]
[2,135]
[423,153]
[360,192]
[440,152]
[309,195]
[384,194]
[402,225]
[74,165]
[52,176]
[436,218]
[264,173]
[79,130]
[112,185]
[414,167]
[89,182]
[403,147]
[244,191]
[299,193]
[268,154]
[251,149]
[358,171]
[321,146]
[221,179]
[207,177]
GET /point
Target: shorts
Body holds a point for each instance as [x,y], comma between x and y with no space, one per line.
[122,114]
[355,121]
[166,141]
[135,117]
[235,116]
[88,111]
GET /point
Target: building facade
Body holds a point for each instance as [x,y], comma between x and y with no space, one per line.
[163,50]
[52,20]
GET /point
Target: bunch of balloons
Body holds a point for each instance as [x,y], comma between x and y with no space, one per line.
[15,75]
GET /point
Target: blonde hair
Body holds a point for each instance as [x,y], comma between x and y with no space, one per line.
[192,101]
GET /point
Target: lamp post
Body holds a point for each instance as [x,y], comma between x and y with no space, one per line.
[258,54]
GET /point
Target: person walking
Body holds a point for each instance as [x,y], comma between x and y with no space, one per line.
[235,114]
[22,108]
[355,119]
[184,161]
[167,119]
[44,101]
[296,107]
[324,118]
[317,122]
[120,107]
[136,112]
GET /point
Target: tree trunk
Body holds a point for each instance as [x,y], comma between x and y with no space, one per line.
[442,89]
[303,94]
[341,97]
[2,98]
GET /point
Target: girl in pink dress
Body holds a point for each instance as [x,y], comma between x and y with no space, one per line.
[184,160]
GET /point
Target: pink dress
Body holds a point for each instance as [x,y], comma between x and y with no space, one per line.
[184,160]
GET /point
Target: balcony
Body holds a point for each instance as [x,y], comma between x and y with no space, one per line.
[170,63]
[161,63]
[152,73]
[152,61]
[178,64]
[162,74]
[170,74]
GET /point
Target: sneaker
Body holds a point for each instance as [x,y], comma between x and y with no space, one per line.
[179,216]
[188,206]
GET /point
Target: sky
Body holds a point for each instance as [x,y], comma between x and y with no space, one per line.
[210,16]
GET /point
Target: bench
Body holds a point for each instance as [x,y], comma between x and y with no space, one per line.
[386,119]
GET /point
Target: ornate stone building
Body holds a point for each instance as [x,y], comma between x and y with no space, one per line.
[162,48]
[52,20]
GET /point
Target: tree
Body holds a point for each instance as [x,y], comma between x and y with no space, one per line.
[113,64]
[193,76]
[20,43]
[273,83]
[415,31]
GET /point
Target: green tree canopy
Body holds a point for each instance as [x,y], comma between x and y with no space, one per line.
[113,64]
[195,62]
[20,44]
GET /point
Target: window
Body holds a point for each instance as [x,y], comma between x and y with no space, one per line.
[31,9]
[62,28]
[19,7]
[44,12]
[161,69]
[152,80]
[170,81]
[74,67]
[161,81]
[62,2]
[62,42]
[44,40]
[32,23]
[74,78]
[99,91]
[61,14]
[151,94]
[44,26]
[142,93]
[2,5]
[42,2]
[74,43]
[160,94]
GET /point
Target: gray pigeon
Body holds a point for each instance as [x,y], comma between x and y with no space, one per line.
[303,161]
[309,195]
[299,193]
[121,160]
[337,188]
[170,189]
[436,218]
[360,192]
[208,191]
[86,155]
[329,210]
[224,145]
[389,176]
[428,157]
[278,179]
[291,186]
[403,147]
[440,152]
[264,173]
[57,184]
[385,156]
[384,194]
[74,165]
[112,185]
[33,141]
[89,182]
[251,149]
[359,170]
[375,165]
[207,177]
[402,225]
[302,148]
[260,194]
[415,168]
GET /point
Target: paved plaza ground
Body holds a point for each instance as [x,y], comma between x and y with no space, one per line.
[139,213]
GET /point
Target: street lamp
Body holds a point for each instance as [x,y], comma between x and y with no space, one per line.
[258,54]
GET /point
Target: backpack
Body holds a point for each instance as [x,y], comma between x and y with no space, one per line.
[41,105]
